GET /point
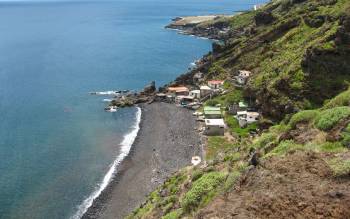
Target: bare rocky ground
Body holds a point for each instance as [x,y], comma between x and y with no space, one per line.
[300,185]
[166,142]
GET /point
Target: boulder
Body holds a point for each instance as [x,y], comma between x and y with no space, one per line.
[151,88]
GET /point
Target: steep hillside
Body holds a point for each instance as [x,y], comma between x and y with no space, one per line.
[298,52]
[299,168]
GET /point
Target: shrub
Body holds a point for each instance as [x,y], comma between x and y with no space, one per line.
[303,116]
[342,99]
[264,139]
[339,167]
[197,174]
[212,102]
[231,180]
[327,119]
[284,147]
[207,183]
[173,215]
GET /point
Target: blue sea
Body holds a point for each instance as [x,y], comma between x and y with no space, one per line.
[58,148]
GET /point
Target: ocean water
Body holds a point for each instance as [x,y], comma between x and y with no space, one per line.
[57,145]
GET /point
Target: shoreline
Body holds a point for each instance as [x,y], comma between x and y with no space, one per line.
[150,159]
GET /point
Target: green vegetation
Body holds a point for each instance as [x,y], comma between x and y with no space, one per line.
[217,144]
[340,167]
[264,139]
[342,99]
[303,116]
[297,62]
[327,119]
[174,214]
[201,190]
[284,147]
[231,180]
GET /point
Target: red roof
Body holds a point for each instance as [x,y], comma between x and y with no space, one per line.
[215,82]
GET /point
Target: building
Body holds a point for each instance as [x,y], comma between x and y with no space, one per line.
[215,84]
[212,112]
[196,94]
[242,77]
[179,91]
[214,127]
[205,90]
[252,117]
[184,100]
[249,117]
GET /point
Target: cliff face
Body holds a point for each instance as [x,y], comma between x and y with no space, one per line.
[299,53]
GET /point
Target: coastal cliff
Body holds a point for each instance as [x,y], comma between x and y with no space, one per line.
[299,166]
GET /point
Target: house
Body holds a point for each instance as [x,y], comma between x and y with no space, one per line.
[160,97]
[242,77]
[205,90]
[196,94]
[215,84]
[179,91]
[184,100]
[212,112]
[249,117]
[214,127]
[252,117]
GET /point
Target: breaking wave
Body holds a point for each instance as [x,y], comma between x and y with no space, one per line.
[125,149]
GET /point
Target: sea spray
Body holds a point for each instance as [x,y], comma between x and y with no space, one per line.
[125,149]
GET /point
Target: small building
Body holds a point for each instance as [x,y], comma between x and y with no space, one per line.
[215,84]
[170,98]
[184,100]
[214,127]
[161,97]
[252,117]
[212,112]
[249,117]
[196,94]
[205,90]
[179,91]
[242,77]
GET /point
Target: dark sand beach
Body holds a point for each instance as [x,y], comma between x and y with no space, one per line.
[165,143]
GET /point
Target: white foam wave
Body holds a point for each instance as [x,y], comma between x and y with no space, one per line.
[125,149]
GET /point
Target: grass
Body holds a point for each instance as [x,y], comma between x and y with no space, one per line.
[327,147]
[303,116]
[201,189]
[342,99]
[339,167]
[217,144]
[284,147]
[173,215]
[231,180]
[264,139]
[327,119]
